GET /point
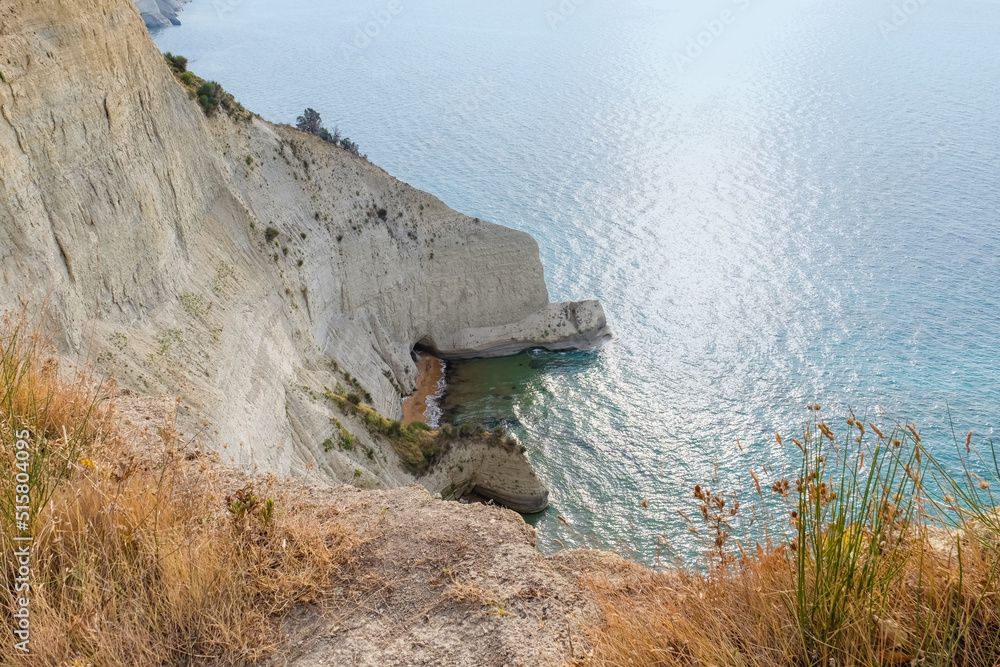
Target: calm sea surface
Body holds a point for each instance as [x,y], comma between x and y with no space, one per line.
[778,202]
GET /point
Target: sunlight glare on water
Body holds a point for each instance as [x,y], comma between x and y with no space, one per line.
[803,209]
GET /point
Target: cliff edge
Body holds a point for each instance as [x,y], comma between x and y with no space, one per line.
[243,266]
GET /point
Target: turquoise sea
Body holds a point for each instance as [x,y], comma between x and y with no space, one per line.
[778,202]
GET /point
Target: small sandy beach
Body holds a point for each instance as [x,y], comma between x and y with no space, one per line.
[430,374]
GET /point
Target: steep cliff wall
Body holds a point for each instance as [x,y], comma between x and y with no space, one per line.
[240,265]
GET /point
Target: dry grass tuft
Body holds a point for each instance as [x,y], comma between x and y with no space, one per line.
[880,557]
[139,555]
[733,616]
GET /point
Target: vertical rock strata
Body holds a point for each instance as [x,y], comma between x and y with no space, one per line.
[241,265]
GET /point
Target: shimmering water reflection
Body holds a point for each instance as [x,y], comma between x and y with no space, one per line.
[806,211]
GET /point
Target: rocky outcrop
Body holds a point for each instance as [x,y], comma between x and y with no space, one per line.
[579,325]
[240,265]
[160,13]
[490,468]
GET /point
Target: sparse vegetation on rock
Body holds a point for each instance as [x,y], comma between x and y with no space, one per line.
[137,559]
[418,445]
[311,122]
[177,63]
[209,94]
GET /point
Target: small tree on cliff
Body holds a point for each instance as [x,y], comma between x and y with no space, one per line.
[326,136]
[349,146]
[210,96]
[310,122]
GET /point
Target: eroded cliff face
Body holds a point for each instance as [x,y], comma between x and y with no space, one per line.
[240,265]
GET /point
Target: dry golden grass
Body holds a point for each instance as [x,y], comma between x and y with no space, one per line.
[147,552]
[687,618]
[139,555]
[745,615]
[890,561]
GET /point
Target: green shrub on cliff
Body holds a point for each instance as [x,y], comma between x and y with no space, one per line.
[350,146]
[209,94]
[178,64]
[346,440]
[330,137]
[312,123]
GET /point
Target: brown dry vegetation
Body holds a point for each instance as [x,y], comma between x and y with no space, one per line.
[147,552]
[143,554]
[884,559]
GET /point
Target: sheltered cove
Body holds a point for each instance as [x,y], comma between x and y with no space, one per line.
[246,267]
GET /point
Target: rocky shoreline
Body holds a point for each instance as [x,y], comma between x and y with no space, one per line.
[430,387]
[252,271]
[160,13]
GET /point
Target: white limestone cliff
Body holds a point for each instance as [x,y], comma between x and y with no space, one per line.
[142,226]
[160,13]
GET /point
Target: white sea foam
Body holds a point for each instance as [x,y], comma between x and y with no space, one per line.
[433,413]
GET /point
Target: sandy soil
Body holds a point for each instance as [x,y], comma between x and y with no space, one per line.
[430,373]
[443,584]
[430,583]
